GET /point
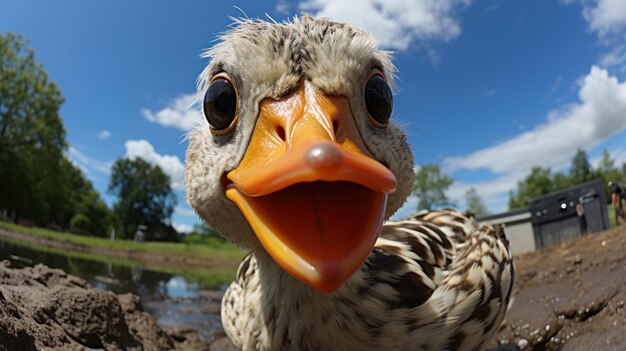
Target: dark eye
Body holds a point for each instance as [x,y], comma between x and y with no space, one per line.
[220,105]
[379,101]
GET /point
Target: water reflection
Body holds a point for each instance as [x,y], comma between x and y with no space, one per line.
[108,276]
[172,298]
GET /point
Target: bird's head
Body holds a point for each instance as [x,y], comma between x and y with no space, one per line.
[299,156]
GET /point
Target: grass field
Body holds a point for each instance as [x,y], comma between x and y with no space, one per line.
[210,249]
[611,216]
[209,277]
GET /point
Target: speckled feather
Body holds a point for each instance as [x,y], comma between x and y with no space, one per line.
[435,281]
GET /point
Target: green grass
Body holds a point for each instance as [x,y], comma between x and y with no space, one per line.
[209,277]
[612,220]
[214,250]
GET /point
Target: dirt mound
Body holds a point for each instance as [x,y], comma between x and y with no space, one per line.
[571,296]
[44,308]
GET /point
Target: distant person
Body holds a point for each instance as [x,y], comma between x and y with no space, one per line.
[618,200]
[582,220]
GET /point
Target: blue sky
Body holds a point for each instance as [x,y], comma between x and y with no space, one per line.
[487,89]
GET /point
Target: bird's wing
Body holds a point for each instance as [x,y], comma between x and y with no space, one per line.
[452,275]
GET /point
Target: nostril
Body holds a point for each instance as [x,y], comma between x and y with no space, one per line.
[280,131]
[224,181]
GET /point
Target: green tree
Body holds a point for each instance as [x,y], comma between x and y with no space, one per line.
[475,203]
[537,183]
[32,136]
[430,187]
[561,181]
[581,170]
[86,213]
[607,171]
[145,197]
[37,181]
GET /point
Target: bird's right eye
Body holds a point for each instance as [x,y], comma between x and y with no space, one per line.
[220,105]
[378,100]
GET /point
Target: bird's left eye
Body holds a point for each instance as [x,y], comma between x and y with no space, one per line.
[379,101]
[220,105]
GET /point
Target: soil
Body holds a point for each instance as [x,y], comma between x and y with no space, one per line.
[570,297]
[566,297]
[47,309]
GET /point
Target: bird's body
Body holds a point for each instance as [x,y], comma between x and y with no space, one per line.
[301,165]
[435,281]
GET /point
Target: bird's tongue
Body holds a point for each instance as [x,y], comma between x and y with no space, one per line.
[320,232]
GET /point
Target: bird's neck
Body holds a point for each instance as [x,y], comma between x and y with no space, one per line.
[288,310]
[285,293]
[275,281]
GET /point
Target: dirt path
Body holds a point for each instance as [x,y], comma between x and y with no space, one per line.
[571,296]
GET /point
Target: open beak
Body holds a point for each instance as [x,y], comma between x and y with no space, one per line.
[310,189]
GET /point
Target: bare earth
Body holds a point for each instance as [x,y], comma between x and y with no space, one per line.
[47,309]
[568,297]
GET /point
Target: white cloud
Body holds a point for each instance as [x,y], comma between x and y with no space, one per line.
[600,114]
[184,211]
[409,207]
[614,58]
[489,92]
[557,83]
[170,164]
[396,23]
[608,19]
[183,228]
[104,134]
[618,156]
[179,113]
[282,7]
[605,16]
[87,163]
[494,192]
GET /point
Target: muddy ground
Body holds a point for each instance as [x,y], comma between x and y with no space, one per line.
[46,309]
[567,297]
[571,296]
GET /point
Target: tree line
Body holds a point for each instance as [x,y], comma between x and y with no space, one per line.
[431,183]
[39,185]
[541,181]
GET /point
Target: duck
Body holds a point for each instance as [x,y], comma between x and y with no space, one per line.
[300,163]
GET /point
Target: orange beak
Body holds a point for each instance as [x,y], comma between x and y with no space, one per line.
[310,189]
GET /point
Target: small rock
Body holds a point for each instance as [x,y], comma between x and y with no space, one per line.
[186,309]
[521,343]
[578,259]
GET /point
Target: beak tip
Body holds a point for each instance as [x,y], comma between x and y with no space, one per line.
[323,155]
[327,277]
